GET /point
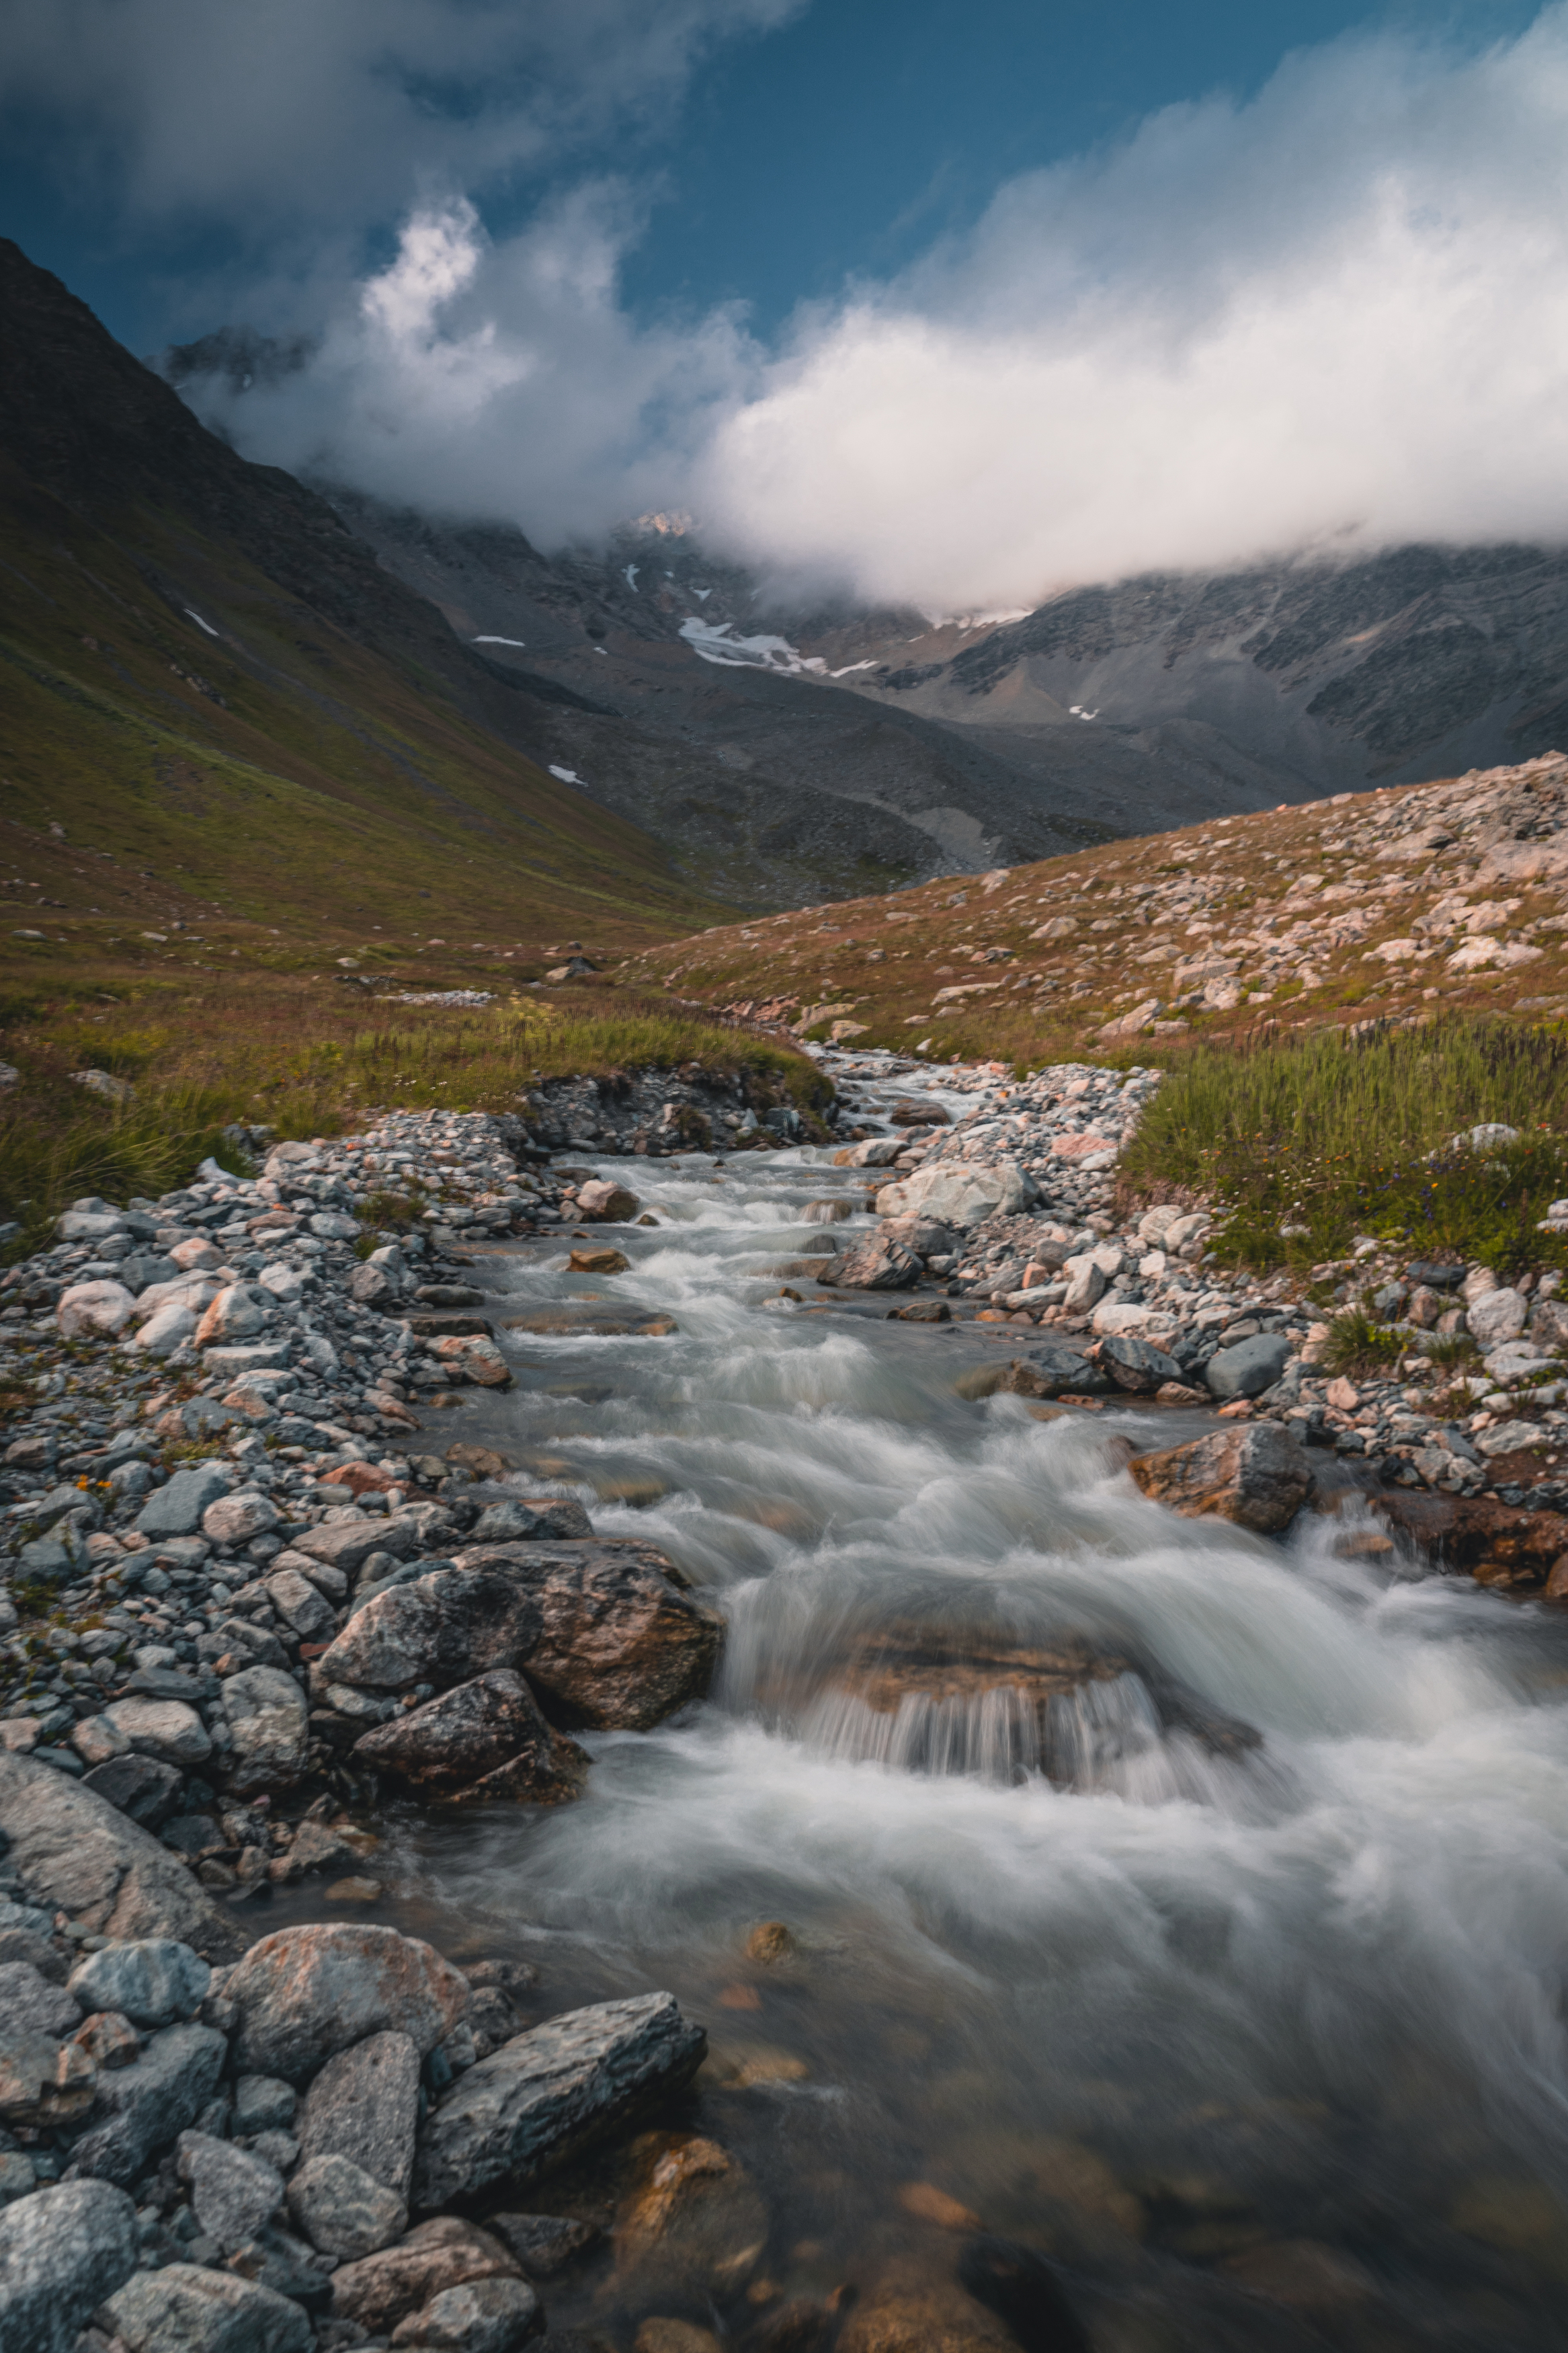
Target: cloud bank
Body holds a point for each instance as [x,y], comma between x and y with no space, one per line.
[1333,317]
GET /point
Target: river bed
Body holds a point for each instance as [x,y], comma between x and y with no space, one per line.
[1264,2043]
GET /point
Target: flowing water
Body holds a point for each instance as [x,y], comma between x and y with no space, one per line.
[1263,2039]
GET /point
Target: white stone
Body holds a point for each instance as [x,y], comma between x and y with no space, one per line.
[958,1195]
[1513,1359]
[166,1330]
[197,1253]
[1498,1315]
[1123,1315]
[94,1311]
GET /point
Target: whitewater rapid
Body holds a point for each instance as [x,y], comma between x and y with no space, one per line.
[1307,1991]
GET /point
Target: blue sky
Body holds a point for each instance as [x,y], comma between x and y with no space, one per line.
[956,307]
[837,143]
[849,139]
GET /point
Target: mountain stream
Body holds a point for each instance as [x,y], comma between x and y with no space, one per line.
[1189,1905]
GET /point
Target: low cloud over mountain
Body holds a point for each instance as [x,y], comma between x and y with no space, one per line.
[1330,317]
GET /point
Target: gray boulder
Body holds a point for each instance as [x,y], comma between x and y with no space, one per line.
[301,1605]
[307,1993]
[531,1519]
[1136,1364]
[348,1544]
[443,1628]
[176,1508]
[270,1721]
[265,2103]
[80,1855]
[151,1981]
[29,2001]
[365,2106]
[1250,1368]
[488,2316]
[622,1645]
[149,2103]
[342,2209]
[183,2309]
[234,2193]
[551,2091]
[62,2252]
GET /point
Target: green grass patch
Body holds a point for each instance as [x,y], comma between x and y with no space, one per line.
[257,1060]
[1337,1137]
[1357,1344]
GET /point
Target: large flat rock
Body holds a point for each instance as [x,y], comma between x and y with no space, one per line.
[78,1855]
[549,2092]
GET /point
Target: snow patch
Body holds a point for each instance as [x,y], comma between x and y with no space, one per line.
[630,575]
[500,642]
[715,641]
[566,775]
[203,625]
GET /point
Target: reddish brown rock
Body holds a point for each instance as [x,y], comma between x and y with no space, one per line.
[484,1738]
[1254,1475]
[694,2221]
[601,1201]
[380,2290]
[1500,1544]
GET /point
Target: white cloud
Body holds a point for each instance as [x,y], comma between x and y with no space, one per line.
[1335,316]
[498,380]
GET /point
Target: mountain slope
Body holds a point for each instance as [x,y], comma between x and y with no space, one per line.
[1392,905]
[766,780]
[1405,666]
[208,676]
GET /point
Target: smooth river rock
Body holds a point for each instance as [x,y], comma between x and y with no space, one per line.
[549,2092]
[62,2252]
[381,2290]
[487,2316]
[151,1981]
[1250,1368]
[1255,1475]
[306,1993]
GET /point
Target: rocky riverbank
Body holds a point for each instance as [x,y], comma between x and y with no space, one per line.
[1008,1208]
